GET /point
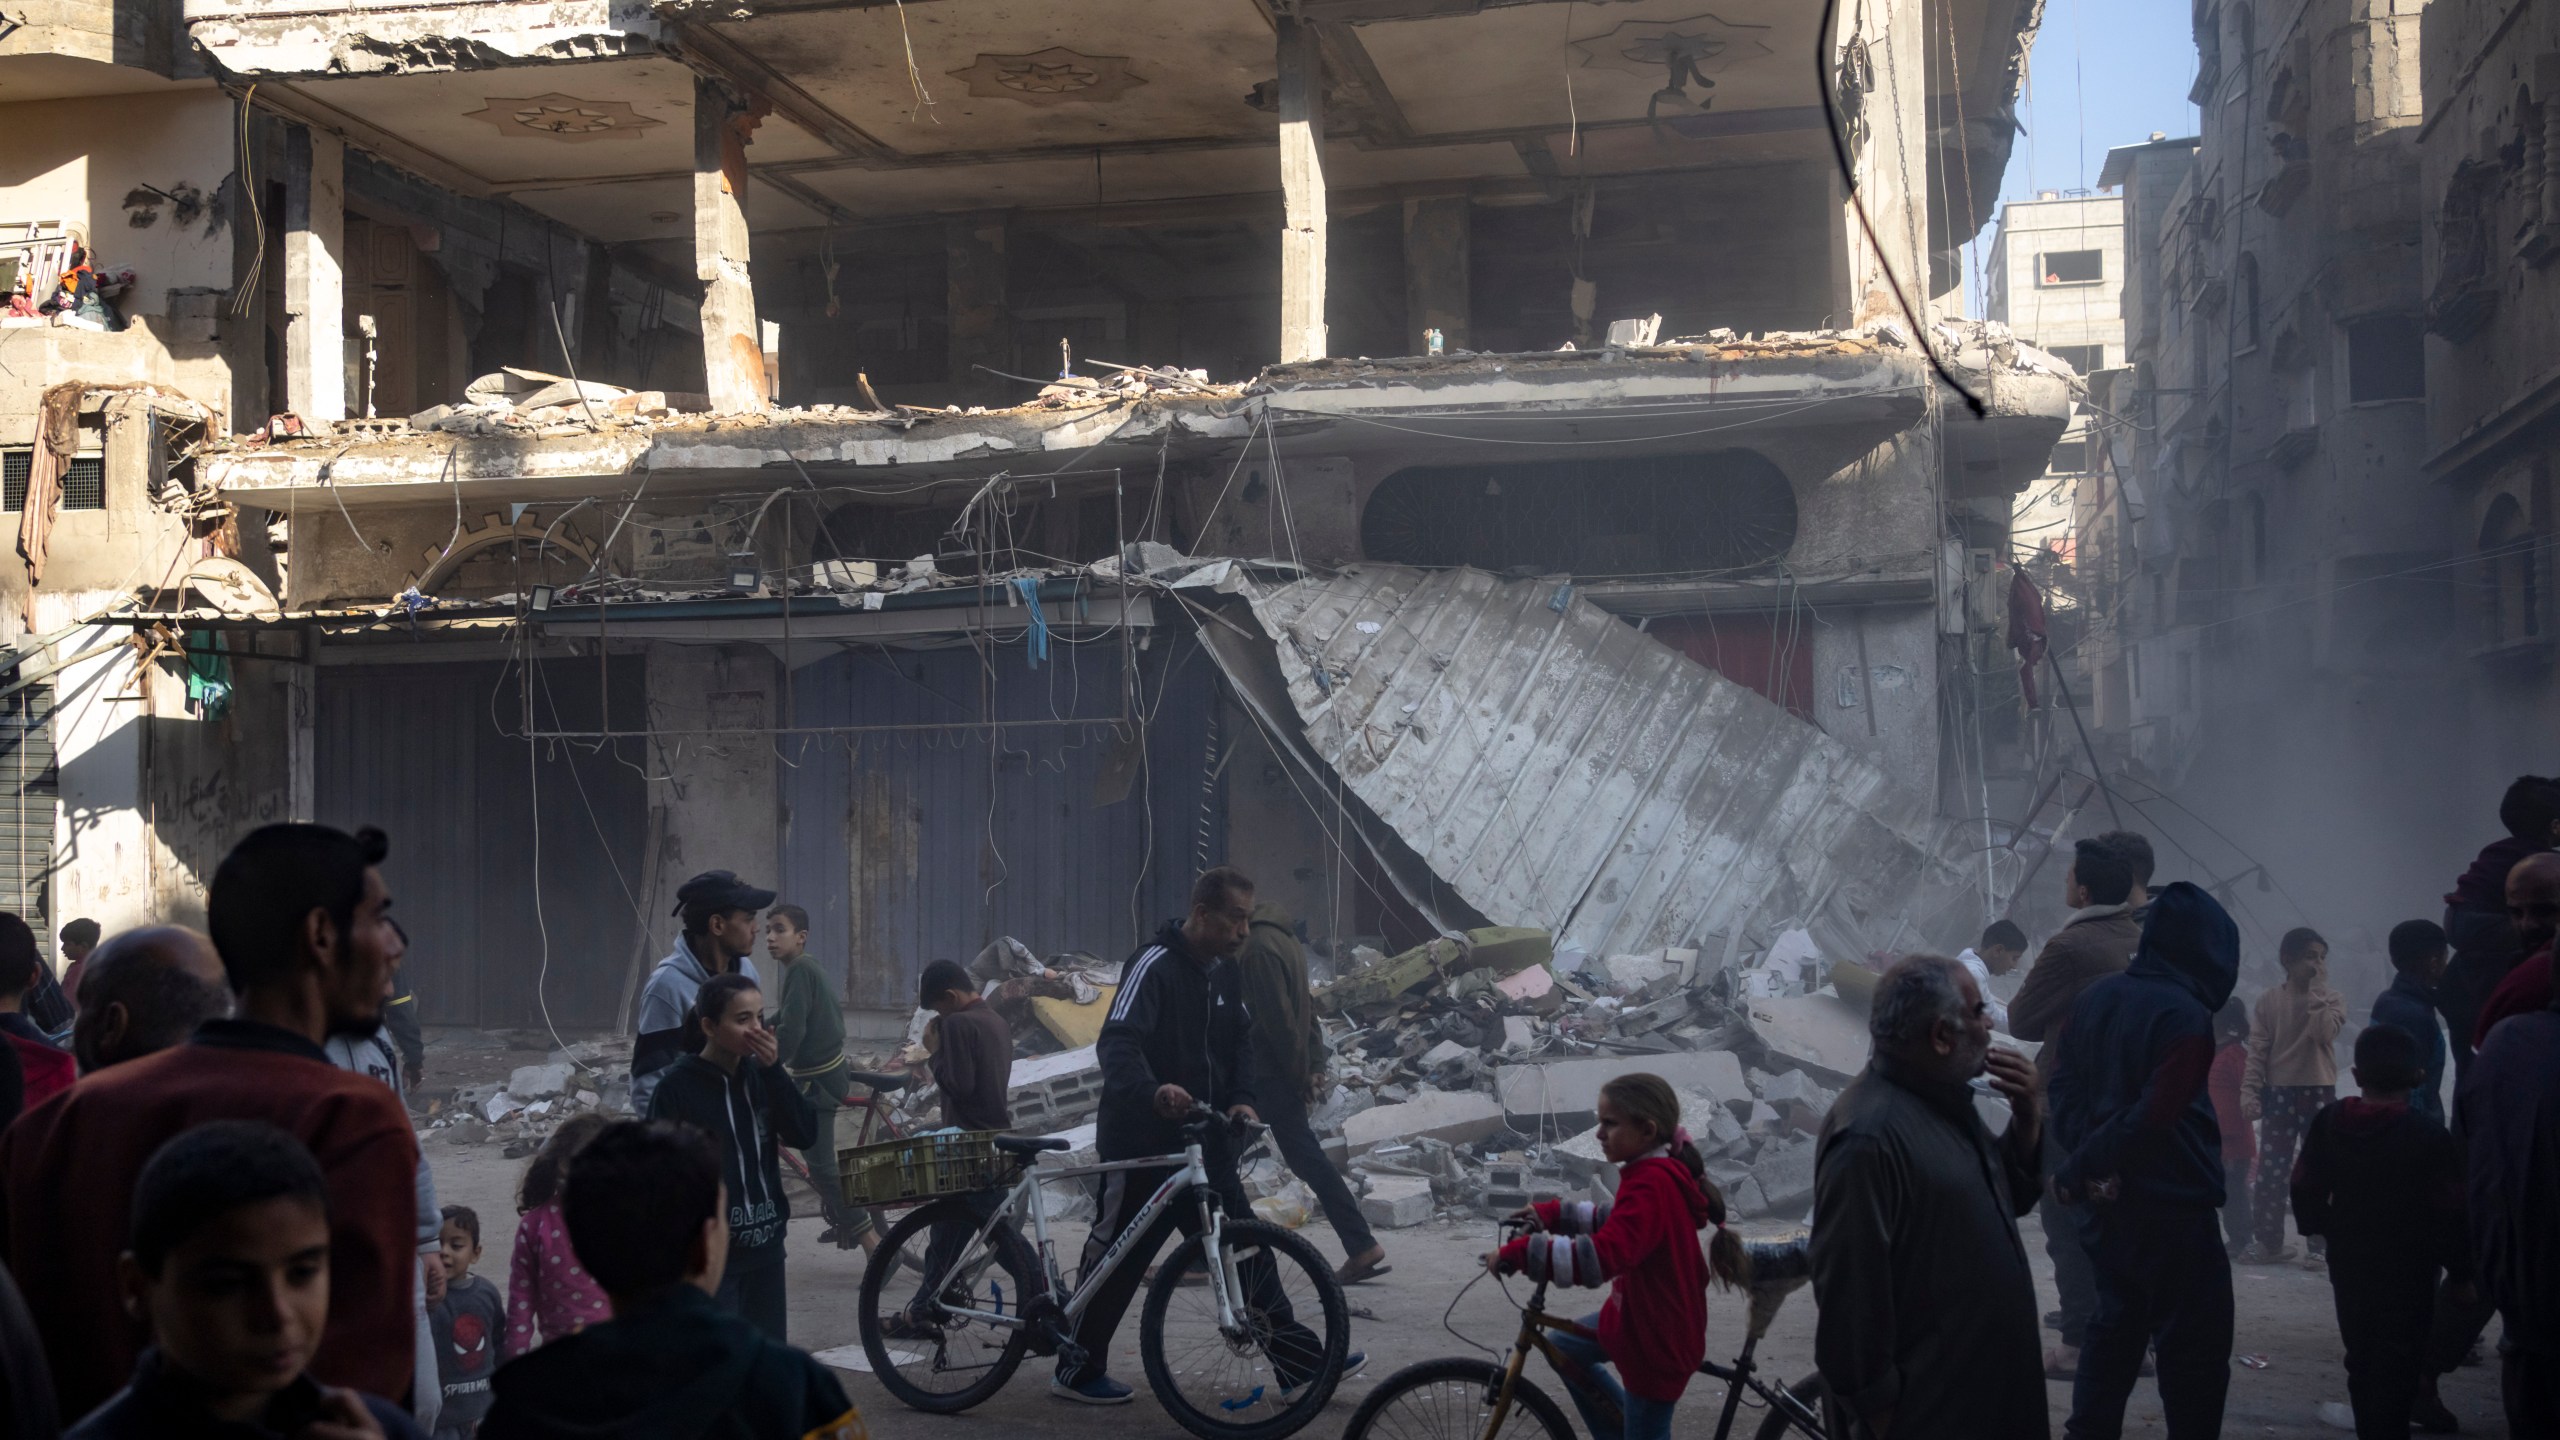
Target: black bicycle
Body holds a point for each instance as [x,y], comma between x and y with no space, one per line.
[1464,1399]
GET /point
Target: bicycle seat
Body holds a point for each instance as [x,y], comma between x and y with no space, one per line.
[1029,1144]
[879,1081]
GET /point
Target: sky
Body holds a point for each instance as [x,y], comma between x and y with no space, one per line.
[2103,73]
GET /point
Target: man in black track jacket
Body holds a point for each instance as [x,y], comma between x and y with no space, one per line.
[1178,1035]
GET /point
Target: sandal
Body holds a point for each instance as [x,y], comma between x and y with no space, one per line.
[1353,1271]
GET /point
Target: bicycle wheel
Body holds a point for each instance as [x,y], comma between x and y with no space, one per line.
[1276,1370]
[923,1353]
[1452,1399]
[1809,1392]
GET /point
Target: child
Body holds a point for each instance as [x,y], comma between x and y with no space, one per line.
[2419,953]
[730,1088]
[467,1322]
[2239,1139]
[228,1267]
[2291,1072]
[645,1207]
[1654,1324]
[548,1292]
[49,1070]
[2385,1185]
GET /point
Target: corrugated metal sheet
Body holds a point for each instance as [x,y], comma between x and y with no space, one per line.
[926,843]
[30,800]
[420,751]
[1556,767]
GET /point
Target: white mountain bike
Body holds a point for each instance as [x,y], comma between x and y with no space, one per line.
[1243,1332]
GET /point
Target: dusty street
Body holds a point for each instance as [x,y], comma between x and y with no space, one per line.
[2284,1314]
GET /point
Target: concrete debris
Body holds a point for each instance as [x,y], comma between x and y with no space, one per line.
[1395,1202]
[1785,1174]
[1446,1115]
[540,1082]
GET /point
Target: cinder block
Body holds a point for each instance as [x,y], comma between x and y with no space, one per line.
[1395,1202]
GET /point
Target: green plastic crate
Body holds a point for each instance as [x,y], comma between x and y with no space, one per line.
[921,1168]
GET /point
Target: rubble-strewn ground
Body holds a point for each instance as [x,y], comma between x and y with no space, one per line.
[2284,1314]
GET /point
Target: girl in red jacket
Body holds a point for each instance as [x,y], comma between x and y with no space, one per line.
[1644,1246]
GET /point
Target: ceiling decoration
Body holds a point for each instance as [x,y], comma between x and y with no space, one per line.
[1054,76]
[563,117]
[1649,48]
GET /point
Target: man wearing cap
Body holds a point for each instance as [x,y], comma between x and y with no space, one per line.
[719,911]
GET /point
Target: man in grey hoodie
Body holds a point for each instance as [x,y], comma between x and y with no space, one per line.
[719,911]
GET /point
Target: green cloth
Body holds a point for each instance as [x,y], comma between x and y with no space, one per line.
[811,1032]
[1288,1043]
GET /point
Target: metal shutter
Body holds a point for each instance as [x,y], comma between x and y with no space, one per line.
[30,796]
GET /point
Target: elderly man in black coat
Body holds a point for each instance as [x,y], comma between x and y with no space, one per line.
[1928,1310]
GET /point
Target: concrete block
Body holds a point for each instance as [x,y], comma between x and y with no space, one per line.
[500,1106]
[1571,1088]
[1820,1032]
[1785,1173]
[1634,972]
[1456,1116]
[540,1082]
[1745,1197]
[1797,1086]
[1396,1201]
[1519,1032]
[1446,1052]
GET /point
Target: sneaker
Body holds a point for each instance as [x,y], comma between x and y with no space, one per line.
[1352,1364]
[2053,1319]
[2429,1417]
[2261,1255]
[1099,1390]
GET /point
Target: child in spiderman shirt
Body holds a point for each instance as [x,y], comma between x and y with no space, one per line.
[467,1324]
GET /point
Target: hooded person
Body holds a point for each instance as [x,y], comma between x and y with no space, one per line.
[2134,1117]
[719,912]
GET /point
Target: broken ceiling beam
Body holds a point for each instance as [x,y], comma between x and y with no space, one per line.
[1555,767]
[315,281]
[1302,227]
[732,343]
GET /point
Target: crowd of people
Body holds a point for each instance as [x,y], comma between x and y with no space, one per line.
[216,1218]
[2166,1131]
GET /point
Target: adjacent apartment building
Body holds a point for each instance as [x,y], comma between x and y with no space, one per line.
[2055,277]
[833,440]
[2282,558]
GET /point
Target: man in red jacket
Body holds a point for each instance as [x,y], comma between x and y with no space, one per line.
[301,918]
[48,1067]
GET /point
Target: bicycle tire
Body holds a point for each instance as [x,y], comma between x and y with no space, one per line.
[1810,1392]
[1284,1247]
[1528,1404]
[1007,1250]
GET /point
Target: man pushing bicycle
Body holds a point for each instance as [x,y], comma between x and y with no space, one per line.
[1177,1036]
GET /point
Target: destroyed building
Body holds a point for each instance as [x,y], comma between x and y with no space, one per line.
[974,466]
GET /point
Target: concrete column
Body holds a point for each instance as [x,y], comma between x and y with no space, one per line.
[976,323]
[315,283]
[1302,229]
[732,347]
[1435,269]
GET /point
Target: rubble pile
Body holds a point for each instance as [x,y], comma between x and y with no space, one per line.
[523,1111]
[1469,1070]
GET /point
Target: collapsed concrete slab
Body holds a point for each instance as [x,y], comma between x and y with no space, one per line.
[1569,1090]
[1553,766]
[1457,1116]
[1822,1033]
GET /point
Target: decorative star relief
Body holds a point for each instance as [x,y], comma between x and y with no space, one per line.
[1646,47]
[1053,76]
[563,117]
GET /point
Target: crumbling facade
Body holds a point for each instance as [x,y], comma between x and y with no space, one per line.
[2489,201]
[2267,571]
[818,439]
